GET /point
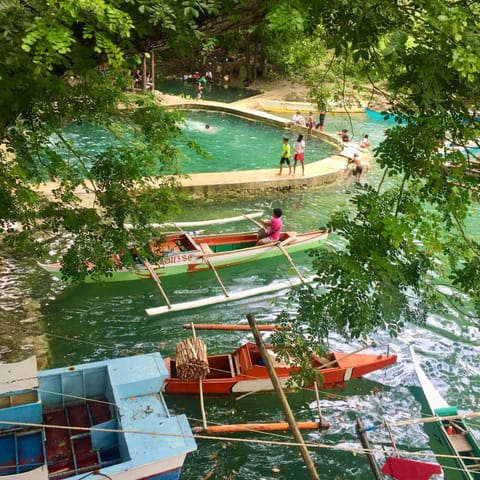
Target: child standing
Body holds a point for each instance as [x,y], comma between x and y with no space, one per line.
[285,158]
[299,155]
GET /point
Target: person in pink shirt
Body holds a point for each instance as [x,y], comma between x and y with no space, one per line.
[271,228]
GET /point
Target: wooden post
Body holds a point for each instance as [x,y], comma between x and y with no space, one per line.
[283,399]
[200,387]
[152,68]
[144,72]
[317,396]
[362,435]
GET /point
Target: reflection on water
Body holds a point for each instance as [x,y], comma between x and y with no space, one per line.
[98,321]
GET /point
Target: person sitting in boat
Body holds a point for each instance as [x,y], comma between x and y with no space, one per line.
[271,228]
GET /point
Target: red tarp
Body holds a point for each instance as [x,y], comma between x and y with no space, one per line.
[404,469]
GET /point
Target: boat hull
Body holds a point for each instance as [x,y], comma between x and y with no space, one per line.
[460,441]
[221,251]
[104,417]
[243,371]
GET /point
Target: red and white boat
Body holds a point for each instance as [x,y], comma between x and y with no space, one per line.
[243,371]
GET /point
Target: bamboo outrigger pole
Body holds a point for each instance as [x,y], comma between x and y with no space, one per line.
[230,326]
[254,427]
[283,399]
[154,275]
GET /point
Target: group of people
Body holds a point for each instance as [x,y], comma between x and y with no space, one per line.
[298,156]
[310,122]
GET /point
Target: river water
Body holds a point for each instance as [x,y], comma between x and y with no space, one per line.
[72,324]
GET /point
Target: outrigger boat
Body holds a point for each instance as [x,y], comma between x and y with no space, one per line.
[184,252]
[188,252]
[103,418]
[243,371]
[459,439]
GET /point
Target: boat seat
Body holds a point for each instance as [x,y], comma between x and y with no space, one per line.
[232,366]
[460,443]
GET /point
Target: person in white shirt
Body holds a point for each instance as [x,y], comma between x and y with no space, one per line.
[365,143]
[298,119]
[299,153]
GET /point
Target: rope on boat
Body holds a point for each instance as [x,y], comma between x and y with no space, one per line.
[192,359]
[237,440]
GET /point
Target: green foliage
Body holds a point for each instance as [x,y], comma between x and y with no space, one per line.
[51,76]
[411,230]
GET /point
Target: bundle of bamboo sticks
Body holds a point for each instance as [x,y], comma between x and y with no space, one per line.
[192,359]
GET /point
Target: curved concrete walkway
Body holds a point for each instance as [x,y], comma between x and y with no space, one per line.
[326,170]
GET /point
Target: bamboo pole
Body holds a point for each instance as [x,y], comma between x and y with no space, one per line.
[154,275]
[228,326]
[152,68]
[362,435]
[217,276]
[259,427]
[292,263]
[200,388]
[317,396]
[283,399]
[144,72]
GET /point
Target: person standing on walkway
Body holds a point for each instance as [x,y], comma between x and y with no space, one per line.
[310,122]
[321,120]
[358,166]
[285,157]
[299,155]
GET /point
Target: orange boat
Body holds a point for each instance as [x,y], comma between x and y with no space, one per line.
[243,371]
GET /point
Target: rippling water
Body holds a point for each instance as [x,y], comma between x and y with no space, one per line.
[99,321]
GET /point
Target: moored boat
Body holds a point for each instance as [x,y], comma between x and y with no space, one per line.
[103,419]
[455,432]
[243,371]
[182,252]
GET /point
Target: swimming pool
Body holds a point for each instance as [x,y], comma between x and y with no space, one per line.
[235,143]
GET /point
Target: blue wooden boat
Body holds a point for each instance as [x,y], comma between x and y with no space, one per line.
[459,439]
[104,419]
[376,116]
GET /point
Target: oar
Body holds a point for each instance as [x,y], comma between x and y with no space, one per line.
[258,224]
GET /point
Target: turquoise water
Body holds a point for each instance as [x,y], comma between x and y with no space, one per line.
[232,143]
[99,321]
[216,93]
[235,143]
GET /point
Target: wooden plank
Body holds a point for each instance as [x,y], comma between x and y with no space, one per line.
[260,427]
[228,326]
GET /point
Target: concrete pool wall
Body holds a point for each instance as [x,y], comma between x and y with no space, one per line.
[321,172]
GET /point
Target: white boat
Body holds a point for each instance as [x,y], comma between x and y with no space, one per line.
[455,432]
